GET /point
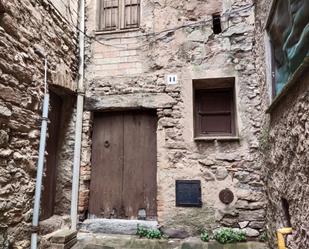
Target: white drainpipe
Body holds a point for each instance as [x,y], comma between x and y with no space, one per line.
[40,166]
[79,118]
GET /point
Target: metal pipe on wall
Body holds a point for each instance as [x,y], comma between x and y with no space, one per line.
[40,165]
[79,119]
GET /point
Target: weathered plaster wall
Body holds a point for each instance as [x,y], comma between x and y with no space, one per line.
[26,26]
[284,146]
[127,64]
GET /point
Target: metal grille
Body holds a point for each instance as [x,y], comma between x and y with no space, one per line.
[188,193]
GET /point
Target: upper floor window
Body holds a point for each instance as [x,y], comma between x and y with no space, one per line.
[288,31]
[118,14]
[214,107]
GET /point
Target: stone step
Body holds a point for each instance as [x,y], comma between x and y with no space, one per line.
[63,239]
[103,241]
[63,236]
[116,226]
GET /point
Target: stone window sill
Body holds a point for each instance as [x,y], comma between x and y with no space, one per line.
[119,31]
[227,138]
[287,88]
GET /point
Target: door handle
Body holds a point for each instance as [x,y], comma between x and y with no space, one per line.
[106,144]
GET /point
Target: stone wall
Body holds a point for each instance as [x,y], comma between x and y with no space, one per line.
[284,144]
[287,165]
[130,65]
[27,26]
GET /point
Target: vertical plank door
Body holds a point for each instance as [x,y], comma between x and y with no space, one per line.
[123,179]
[107,166]
[140,160]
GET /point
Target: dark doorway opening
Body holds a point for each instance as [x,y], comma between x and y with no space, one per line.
[216,24]
[49,180]
[286,212]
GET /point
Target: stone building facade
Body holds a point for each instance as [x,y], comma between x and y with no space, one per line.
[284,139]
[177,51]
[128,70]
[29,29]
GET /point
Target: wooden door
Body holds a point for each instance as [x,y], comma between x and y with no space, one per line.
[123,179]
[49,181]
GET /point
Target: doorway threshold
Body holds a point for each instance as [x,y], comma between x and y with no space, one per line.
[116,226]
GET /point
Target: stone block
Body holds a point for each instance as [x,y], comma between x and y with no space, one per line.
[175,233]
[128,53]
[249,205]
[249,195]
[67,245]
[192,243]
[51,224]
[62,77]
[250,232]
[63,236]
[208,175]
[138,100]
[206,162]
[116,226]
[221,173]
[5,152]
[252,215]
[229,157]
[4,138]
[133,71]
[257,224]
[5,111]
[243,224]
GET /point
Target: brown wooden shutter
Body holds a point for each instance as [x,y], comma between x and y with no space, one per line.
[214,112]
[131,13]
[109,18]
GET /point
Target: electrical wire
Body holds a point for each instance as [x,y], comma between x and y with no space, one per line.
[68,9]
[193,24]
[155,34]
[68,6]
[59,13]
[151,34]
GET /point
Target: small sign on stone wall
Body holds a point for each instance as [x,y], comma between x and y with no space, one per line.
[188,193]
[171,79]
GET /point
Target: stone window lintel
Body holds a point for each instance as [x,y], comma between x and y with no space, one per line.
[102,32]
[218,138]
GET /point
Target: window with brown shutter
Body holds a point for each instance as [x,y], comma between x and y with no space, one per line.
[131,13]
[118,14]
[214,111]
[109,14]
